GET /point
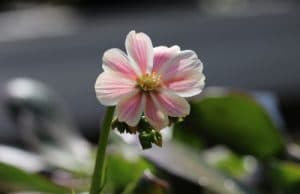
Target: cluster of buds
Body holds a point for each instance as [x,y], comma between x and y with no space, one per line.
[148,135]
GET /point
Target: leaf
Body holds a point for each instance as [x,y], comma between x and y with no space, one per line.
[122,171]
[150,184]
[230,163]
[238,121]
[14,179]
[187,164]
[286,176]
[187,136]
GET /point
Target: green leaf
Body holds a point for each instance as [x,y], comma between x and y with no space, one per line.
[187,164]
[238,121]
[14,179]
[150,184]
[230,163]
[286,176]
[187,136]
[122,171]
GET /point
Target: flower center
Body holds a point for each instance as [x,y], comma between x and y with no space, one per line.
[149,81]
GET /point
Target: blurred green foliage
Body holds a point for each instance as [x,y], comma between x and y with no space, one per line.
[187,135]
[122,172]
[239,167]
[286,177]
[238,121]
[14,179]
[226,141]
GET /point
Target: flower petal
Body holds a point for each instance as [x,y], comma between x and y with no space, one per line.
[140,50]
[116,60]
[187,85]
[130,109]
[110,87]
[172,104]
[183,63]
[154,115]
[163,54]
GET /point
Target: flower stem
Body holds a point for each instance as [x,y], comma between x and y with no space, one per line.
[97,179]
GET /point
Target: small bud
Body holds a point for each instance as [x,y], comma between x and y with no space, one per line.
[149,137]
[122,127]
[145,140]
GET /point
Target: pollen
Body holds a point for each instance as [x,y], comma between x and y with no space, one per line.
[149,81]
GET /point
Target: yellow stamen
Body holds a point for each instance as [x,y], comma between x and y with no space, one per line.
[149,81]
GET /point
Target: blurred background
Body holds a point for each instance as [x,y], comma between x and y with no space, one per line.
[246,46]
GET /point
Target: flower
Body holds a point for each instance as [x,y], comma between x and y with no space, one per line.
[149,81]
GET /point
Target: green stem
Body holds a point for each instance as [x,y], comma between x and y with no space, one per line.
[97,179]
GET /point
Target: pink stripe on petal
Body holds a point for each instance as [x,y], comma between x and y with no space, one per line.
[163,54]
[187,85]
[154,115]
[116,60]
[171,64]
[110,87]
[184,66]
[130,109]
[172,104]
[139,48]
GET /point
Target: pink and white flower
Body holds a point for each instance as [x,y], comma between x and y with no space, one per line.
[149,81]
